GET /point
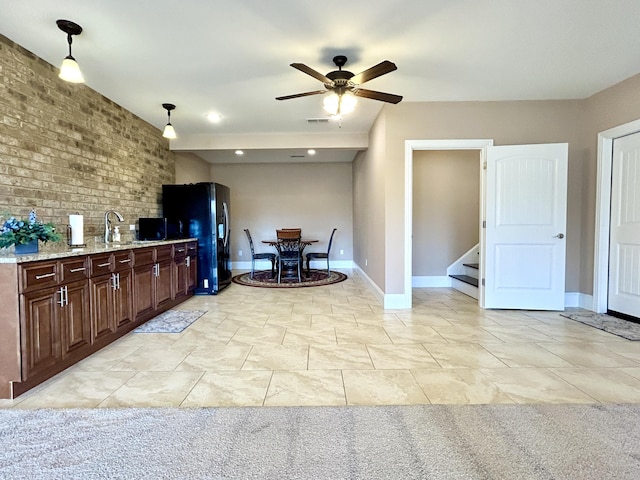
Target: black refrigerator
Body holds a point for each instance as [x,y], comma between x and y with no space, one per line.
[203,210]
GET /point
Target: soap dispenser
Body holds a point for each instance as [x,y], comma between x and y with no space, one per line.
[116,234]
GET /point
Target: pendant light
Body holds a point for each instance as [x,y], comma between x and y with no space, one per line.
[169,131]
[70,71]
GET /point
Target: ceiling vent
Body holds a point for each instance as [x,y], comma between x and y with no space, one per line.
[317,120]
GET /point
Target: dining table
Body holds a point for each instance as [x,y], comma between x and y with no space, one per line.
[304,242]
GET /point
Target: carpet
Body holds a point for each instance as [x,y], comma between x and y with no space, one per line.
[171,321]
[524,442]
[262,278]
[607,323]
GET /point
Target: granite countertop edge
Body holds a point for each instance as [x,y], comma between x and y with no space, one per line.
[59,250]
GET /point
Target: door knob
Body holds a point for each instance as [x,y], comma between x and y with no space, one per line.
[560,235]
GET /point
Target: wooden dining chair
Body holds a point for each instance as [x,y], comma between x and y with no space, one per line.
[260,256]
[319,255]
[289,250]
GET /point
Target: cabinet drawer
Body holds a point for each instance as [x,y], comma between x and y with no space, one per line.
[192,248]
[74,269]
[143,256]
[123,260]
[179,250]
[164,253]
[37,275]
[101,264]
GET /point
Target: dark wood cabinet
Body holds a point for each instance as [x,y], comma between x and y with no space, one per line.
[68,308]
[74,328]
[153,281]
[55,320]
[41,347]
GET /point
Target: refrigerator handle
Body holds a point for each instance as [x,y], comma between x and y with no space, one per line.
[225,209]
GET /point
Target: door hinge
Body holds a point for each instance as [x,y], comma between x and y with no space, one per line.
[484,224]
[483,282]
[484,165]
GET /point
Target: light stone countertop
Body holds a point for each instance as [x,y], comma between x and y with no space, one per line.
[50,251]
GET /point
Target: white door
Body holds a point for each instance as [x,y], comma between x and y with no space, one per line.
[624,241]
[525,244]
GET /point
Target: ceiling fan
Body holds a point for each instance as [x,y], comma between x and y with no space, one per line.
[342,81]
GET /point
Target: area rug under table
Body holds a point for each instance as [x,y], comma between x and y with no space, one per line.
[171,321]
[263,278]
[607,323]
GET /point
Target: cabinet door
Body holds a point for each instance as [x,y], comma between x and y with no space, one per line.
[40,331]
[75,324]
[180,275]
[192,273]
[143,290]
[123,301]
[164,283]
[102,307]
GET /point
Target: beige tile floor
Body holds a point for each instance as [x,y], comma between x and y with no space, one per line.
[336,345]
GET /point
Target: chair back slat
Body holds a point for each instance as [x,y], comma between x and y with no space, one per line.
[288,234]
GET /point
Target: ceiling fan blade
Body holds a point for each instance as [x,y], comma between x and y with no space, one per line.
[298,95]
[372,94]
[310,71]
[373,72]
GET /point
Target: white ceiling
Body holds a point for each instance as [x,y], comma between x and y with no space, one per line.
[233,57]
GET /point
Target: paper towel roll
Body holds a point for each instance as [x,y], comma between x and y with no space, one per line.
[76,223]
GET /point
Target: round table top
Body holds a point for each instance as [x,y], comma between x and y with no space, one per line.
[306,241]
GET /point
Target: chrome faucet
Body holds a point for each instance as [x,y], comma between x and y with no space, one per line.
[107,224]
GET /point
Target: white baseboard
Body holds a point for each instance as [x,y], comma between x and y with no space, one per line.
[431,282]
[578,300]
[379,294]
[389,301]
[319,264]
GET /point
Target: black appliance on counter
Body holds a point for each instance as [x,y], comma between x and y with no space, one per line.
[203,209]
[159,229]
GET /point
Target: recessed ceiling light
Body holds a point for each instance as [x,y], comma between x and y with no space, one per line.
[311,151]
[214,117]
[239,152]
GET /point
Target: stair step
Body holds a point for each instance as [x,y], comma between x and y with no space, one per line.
[466,279]
[472,265]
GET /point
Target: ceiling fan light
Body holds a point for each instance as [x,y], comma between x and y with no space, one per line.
[70,71]
[336,104]
[349,102]
[330,103]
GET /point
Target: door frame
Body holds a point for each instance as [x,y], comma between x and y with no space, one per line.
[603,212]
[409,147]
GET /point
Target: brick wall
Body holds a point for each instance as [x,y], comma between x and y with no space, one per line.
[64,148]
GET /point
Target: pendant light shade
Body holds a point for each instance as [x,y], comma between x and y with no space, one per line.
[70,71]
[169,131]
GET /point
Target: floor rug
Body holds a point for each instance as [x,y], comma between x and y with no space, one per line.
[607,323]
[471,442]
[171,321]
[316,278]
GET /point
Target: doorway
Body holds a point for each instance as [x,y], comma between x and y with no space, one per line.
[411,145]
[603,212]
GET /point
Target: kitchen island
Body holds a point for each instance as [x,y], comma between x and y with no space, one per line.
[62,304]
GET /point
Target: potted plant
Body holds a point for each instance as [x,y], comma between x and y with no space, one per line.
[24,234]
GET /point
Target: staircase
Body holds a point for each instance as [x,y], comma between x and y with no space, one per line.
[465,271]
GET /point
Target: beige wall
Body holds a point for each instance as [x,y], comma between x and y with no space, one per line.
[316,197]
[506,123]
[191,169]
[446,208]
[369,205]
[576,122]
[610,108]
[65,148]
